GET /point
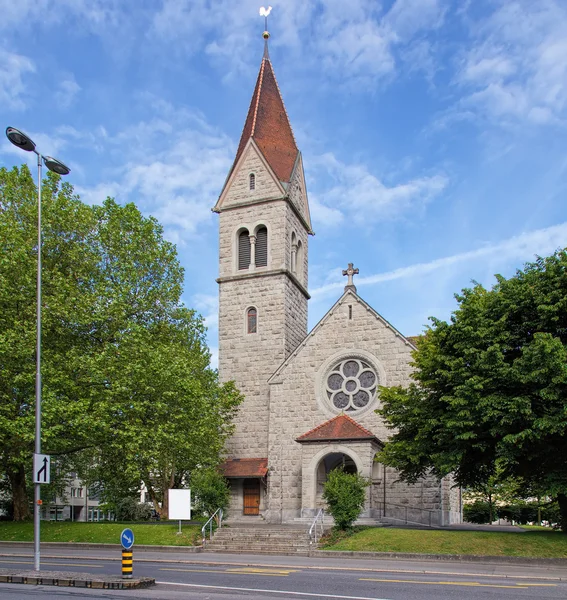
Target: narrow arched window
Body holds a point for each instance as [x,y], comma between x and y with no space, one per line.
[261,247]
[293,252]
[252,181]
[243,250]
[299,260]
[251,320]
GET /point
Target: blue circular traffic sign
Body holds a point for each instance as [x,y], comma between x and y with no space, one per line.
[127,539]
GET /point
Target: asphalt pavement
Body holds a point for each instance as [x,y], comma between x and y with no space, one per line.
[224,576]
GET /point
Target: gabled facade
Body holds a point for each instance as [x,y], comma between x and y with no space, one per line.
[310,399]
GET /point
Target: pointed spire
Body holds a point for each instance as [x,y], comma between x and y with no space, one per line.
[267,122]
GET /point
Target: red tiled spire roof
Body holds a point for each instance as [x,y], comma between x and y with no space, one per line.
[341,427]
[268,124]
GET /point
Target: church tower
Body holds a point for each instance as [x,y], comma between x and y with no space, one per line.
[263,235]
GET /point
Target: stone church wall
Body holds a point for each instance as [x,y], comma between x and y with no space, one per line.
[296,407]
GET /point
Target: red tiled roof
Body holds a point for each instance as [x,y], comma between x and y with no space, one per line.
[341,427]
[245,467]
[268,124]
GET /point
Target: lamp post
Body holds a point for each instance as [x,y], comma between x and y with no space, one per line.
[21,140]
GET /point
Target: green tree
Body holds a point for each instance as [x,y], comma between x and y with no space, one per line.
[344,494]
[125,367]
[490,392]
[210,489]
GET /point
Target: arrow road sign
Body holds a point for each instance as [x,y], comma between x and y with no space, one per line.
[41,468]
[127,539]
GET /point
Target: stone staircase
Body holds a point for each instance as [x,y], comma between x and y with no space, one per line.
[260,539]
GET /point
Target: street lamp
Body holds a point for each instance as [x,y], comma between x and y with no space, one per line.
[21,140]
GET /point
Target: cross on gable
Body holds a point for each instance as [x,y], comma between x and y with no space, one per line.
[350,272]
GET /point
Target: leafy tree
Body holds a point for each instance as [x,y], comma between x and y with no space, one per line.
[210,489]
[125,367]
[344,494]
[490,391]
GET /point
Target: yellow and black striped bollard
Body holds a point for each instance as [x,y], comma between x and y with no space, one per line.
[127,564]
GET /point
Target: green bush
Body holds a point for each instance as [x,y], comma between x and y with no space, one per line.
[211,490]
[477,512]
[527,512]
[129,509]
[344,494]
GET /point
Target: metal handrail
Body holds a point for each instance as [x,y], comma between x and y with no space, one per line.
[313,529]
[388,506]
[210,524]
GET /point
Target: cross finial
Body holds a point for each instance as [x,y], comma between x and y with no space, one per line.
[264,12]
[350,272]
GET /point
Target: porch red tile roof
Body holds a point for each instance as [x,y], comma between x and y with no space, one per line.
[245,467]
[341,427]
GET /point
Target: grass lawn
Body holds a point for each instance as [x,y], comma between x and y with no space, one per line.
[541,544]
[102,533]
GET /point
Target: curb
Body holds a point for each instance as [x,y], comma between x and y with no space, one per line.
[117,547]
[81,581]
[505,560]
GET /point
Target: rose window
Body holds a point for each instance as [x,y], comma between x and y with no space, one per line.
[351,385]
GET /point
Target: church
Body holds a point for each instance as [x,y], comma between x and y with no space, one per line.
[310,397]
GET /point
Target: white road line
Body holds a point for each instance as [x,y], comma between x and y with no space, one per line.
[282,592]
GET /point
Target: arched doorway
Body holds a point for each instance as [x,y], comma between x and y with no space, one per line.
[331,461]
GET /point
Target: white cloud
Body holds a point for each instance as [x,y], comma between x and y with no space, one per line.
[172,167]
[208,306]
[358,193]
[13,69]
[540,242]
[67,91]
[516,66]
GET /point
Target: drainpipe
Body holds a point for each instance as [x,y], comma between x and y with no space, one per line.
[384,482]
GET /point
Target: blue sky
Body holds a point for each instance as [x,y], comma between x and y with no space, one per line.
[433,132]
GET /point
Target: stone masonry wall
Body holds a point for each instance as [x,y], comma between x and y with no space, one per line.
[239,189]
[295,407]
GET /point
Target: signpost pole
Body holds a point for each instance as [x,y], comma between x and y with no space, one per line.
[37,486]
[127,541]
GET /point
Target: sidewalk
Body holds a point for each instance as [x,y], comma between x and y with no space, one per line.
[481,566]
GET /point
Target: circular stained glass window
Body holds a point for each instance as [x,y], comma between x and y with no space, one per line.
[351,385]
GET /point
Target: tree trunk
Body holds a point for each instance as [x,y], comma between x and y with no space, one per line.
[562,501]
[19,494]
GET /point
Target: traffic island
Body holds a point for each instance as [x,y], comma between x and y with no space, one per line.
[71,579]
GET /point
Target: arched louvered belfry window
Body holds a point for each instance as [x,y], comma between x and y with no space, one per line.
[261,247]
[243,250]
[251,320]
[252,181]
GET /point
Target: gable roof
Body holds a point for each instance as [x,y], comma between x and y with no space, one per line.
[330,312]
[341,427]
[268,125]
[245,467]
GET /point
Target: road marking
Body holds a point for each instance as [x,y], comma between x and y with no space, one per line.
[281,592]
[57,564]
[262,571]
[187,570]
[242,571]
[518,586]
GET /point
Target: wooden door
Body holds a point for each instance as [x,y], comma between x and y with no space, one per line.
[251,496]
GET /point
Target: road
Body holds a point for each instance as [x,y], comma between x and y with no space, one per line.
[224,577]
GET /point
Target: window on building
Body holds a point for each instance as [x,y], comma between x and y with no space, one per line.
[261,247]
[252,181]
[243,250]
[299,260]
[251,320]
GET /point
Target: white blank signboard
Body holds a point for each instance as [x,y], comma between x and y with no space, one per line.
[180,504]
